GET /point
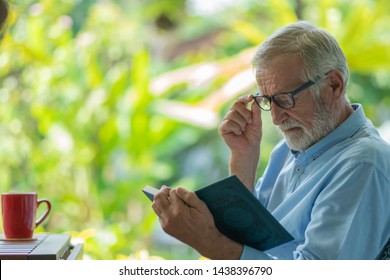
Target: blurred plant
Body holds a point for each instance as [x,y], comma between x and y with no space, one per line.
[99,98]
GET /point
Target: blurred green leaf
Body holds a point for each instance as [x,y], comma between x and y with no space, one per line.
[99,98]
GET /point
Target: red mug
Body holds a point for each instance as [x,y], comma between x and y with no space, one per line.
[19,211]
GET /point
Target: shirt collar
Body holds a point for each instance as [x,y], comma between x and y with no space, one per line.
[345,130]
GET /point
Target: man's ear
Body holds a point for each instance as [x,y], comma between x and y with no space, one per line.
[336,83]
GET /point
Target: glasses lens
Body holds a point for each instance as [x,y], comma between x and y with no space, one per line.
[284,100]
[263,102]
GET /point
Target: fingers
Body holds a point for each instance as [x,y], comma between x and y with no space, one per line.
[241,106]
[239,116]
[235,122]
[256,114]
[189,198]
[161,201]
[176,202]
[169,200]
[165,190]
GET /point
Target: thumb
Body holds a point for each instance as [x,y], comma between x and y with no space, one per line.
[190,198]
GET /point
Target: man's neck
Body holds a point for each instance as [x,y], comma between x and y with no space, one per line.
[346,112]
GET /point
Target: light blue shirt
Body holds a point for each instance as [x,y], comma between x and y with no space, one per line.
[333,198]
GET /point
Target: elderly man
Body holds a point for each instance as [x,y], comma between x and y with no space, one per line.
[327,181]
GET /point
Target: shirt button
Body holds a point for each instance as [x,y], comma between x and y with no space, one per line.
[299,170]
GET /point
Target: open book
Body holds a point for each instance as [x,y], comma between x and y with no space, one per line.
[238,214]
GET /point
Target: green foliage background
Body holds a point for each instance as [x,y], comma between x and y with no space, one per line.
[99,98]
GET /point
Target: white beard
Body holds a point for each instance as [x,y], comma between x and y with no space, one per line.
[301,138]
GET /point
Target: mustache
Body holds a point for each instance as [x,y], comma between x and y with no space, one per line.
[288,124]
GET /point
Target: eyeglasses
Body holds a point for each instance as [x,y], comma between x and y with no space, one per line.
[283,100]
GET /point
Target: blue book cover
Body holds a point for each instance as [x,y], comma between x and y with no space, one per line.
[239,215]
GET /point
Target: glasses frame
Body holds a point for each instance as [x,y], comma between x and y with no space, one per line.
[291,94]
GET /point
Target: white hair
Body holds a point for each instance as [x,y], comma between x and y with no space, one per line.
[318,50]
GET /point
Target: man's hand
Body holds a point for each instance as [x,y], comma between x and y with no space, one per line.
[241,129]
[184,216]
[241,126]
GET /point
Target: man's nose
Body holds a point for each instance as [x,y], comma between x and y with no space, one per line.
[279,115]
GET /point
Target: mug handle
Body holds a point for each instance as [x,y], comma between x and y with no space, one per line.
[44,215]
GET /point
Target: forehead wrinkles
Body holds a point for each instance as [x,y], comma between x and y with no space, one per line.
[267,82]
[281,74]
